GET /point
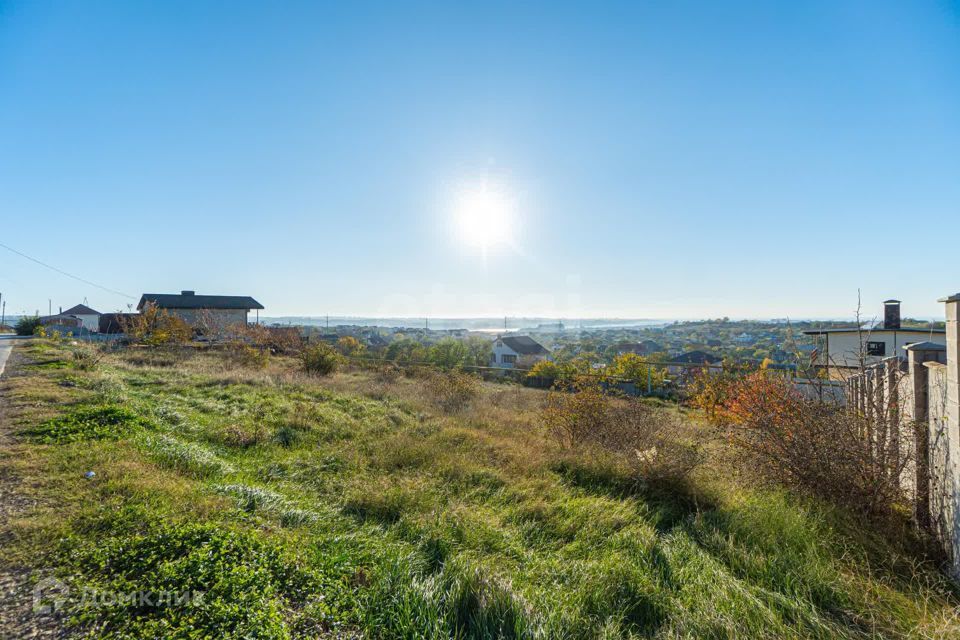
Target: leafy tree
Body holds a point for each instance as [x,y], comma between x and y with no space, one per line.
[27,325]
[630,366]
[349,346]
[155,326]
[449,353]
[406,350]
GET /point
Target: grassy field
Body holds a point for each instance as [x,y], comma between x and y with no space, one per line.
[362,504]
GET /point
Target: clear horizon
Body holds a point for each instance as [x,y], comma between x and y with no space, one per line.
[691,160]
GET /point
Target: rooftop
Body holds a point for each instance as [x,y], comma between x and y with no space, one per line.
[190,300]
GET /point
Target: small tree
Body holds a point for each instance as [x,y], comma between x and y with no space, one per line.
[630,366]
[319,359]
[349,346]
[27,325]
[155,326]
[449,353]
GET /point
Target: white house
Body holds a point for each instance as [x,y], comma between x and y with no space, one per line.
[842,349]
[89,319]
[511,351]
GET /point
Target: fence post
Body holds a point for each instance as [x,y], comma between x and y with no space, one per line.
[918,412]
[951,481]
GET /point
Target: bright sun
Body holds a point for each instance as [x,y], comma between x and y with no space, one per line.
[485,218]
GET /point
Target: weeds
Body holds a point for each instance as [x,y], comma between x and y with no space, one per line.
[104,422]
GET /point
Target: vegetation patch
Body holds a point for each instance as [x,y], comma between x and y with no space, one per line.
[194,580]
[187,457]
[101,422]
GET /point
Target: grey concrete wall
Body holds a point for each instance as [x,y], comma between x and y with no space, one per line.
[912,421]
[222,317]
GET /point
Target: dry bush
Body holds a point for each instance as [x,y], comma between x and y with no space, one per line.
[154,326]
[86,358]
[319,359]
[452,391]
[248,356]
[645,437]
[243,437]
[387,373]
[810,445]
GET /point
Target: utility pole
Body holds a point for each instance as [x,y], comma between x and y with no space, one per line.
[3,313]
[328,322]
[49,306]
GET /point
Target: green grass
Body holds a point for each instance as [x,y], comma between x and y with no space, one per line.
[304,506]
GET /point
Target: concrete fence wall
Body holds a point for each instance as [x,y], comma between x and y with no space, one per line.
[912,408]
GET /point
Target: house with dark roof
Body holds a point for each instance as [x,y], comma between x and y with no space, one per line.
[643,348]
[842,349]
[512,351]
[694,361]
[198,310]
[77,316]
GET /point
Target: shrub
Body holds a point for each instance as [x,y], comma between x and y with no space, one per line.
[249,356]
[319,359]
[86,359]
[545,373]
[154,326]
[815,447]
[453,391]
[630,366]
[27,325]
[105,422]
[637,434]
[349,346]
[237,436]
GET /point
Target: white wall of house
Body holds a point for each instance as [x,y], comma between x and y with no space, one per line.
[90,321]
[503,356]
[845,347]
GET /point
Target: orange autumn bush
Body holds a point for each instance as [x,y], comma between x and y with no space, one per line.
[804,443]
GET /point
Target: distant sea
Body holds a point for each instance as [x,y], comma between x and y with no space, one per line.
[488,325]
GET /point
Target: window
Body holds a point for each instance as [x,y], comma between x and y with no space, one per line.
[876,348]
[506,358]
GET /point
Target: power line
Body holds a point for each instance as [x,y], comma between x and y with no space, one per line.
[64,273]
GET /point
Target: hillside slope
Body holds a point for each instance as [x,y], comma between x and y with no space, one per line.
[260,500]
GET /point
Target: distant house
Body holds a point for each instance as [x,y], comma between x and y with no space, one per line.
[644,348]
[714,342]
[843,348]
[693,360]
[745,338]
[89,318]
[79,316]
[196,310]
[509,351]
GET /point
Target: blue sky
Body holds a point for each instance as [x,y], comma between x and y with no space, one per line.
[682,159]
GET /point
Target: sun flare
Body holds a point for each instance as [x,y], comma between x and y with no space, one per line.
[485,218]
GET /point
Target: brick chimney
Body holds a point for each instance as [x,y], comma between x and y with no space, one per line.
[891,314]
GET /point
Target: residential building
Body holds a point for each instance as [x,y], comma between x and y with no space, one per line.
[843,350]
[199,310]
[514,351]
[89,318]
[693,360]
